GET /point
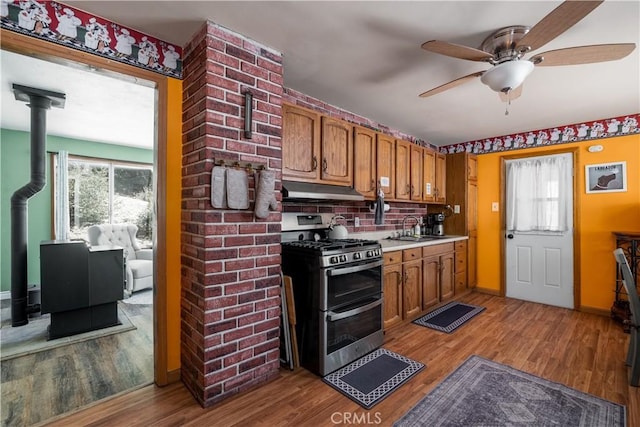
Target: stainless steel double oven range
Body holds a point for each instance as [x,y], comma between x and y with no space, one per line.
[337,291]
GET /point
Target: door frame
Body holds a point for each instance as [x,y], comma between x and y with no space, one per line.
[576,218]
[30,46]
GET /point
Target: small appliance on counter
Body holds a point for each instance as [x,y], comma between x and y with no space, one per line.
[435,224]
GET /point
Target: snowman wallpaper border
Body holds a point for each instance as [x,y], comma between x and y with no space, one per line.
[606,177]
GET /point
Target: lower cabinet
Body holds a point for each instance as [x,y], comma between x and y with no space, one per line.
[416,280]
[438,281]
[461,267]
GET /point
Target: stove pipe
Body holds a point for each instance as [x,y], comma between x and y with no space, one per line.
[39,101]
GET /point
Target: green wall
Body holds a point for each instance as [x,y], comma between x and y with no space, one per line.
[15,172]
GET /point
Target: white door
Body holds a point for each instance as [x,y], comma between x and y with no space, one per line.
[539,229]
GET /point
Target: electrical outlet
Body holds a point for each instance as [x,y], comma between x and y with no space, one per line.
[456,209]
[356,221]
[495,207]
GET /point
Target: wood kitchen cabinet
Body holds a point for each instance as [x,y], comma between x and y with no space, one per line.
[438,280]
[402,277]
[386,164]
[364,155]
[429,175]
[337,152]
[462,190]
[392,281]
[403,170]
[300,143]
[416,182]
[316,148]
[460,269]
[441,178]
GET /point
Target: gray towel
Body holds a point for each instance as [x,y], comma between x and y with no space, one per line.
[237,189]
[219,187]
[379,213]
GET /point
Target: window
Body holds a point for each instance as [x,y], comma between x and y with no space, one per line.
[104,191]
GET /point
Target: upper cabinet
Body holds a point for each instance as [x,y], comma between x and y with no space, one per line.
[386,165]
[337,152]
[416,181]
[300,144]
[429,175]
[403,170]
[441,179]
[316,148]
[364,154]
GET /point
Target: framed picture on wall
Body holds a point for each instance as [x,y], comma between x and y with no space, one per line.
[606,177]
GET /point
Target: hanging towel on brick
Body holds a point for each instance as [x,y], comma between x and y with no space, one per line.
[379,212]
[237,189]
[265,199]
[219,187]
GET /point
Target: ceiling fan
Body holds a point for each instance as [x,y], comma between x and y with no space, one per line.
[505,48]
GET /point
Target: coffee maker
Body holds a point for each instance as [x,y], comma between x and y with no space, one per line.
[435,224]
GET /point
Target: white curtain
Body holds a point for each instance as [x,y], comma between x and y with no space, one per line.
[537,193]
[61,226]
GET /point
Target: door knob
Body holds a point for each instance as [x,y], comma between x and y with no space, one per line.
[509,236]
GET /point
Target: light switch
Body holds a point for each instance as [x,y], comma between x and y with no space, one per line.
[384,181]
[495,207]
[456,208]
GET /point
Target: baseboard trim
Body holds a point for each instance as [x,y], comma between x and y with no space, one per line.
[173,376]
[487,291]
[594,310]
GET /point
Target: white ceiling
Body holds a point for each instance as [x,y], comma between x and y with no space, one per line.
[365,57]
[97,108]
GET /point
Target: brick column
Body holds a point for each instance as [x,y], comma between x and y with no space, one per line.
[230,260]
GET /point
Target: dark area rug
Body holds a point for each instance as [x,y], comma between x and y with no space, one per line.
[373,377]
[485,393]
[449,317]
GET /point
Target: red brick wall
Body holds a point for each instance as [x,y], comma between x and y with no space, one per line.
[230,261]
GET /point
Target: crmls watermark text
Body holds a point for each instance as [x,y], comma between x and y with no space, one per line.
[359,418]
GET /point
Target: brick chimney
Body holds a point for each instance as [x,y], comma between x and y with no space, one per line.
[230,260]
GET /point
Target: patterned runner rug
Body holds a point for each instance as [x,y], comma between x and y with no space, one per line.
[373,377]
[485,393]
[449,317]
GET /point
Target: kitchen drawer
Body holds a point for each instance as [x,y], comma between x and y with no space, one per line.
[437,249]
[461,282]
[461,261]
[392,257]
[411,254]
[461,245]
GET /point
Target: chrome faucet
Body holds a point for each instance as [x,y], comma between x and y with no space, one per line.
[404,220]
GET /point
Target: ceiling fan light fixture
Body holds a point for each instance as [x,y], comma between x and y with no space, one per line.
[507,75]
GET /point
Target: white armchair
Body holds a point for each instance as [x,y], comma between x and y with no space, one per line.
[139,261]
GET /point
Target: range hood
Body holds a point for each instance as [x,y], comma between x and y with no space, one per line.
[292,190]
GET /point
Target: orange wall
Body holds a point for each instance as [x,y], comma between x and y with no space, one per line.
[600,214]
[173,189]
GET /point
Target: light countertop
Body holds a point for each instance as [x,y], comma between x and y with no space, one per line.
[389,245]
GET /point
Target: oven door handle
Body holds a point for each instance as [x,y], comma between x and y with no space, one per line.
[332,316]
[349,270]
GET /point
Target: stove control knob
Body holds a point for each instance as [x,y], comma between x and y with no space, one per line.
[357,256]
[369,254]
[343,258]
[333,260]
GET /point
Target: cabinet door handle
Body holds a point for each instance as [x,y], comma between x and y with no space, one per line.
[315,163]
[406,277]
[324,164]
[373,185]
[408,190]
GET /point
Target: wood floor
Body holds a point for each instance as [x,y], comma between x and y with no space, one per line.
[39,386]
[580,350]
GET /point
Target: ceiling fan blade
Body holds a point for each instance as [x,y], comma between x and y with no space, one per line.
[451,84]
[456,50]
[515,94]
[583,54]
[557,22]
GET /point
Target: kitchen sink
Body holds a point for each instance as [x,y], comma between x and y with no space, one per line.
[416,238]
